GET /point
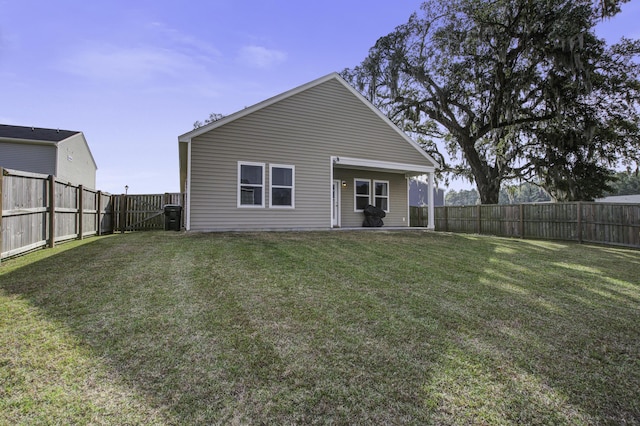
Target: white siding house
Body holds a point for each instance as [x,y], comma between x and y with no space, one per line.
[62,153]
[309,158]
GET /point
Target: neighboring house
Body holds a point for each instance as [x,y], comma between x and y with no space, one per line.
[310,158]
[623,199]
[419,194]
[62,153]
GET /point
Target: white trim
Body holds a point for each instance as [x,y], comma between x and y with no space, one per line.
[336,183]
[408,169]
[256,107]
[293,186]
[239,185]
[408,200]
[332,161]
[356,195]
[333,76]
[431,208]
[387,120]
[373,194]
[187,224]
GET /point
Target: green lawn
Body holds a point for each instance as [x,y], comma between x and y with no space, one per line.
[327,327]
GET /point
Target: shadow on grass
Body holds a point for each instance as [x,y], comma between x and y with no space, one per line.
[351,327]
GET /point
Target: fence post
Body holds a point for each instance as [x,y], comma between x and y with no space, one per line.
[579,230]
[1,199]
[52,211]
[112,210]
[479,219]
[522,221]
[80,208]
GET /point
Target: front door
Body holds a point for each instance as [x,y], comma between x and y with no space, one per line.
[335,204]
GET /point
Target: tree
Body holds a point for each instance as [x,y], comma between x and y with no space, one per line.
[596,132]
[608,8]
[212,117]
[509,194]
[523,193]
[625,183]
[511,88]
[464,197]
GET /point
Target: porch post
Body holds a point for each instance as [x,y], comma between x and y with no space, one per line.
[431,207]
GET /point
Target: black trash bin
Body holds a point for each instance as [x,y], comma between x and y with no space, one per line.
[172,217]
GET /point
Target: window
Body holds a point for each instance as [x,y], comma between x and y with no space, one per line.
[250,184]
[362,189]
[281,181]
[381,194]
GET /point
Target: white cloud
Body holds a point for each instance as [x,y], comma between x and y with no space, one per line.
[184,41]
[118,63]
[261,57]
[158,52]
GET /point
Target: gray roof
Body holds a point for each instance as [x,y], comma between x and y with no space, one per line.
[34,133]
[632,199]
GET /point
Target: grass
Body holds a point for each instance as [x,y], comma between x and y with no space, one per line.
[315,328]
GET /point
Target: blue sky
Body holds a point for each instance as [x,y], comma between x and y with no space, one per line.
[133,75]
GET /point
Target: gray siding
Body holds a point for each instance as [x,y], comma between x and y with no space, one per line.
[75,163]
[303,130]
[33,158]
[397,214]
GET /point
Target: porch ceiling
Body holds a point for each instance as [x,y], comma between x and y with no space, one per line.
[382,166]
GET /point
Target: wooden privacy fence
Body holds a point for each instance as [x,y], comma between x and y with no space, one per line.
[38,211]
[602,223]
[143,212]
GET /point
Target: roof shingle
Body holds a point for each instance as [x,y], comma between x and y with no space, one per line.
[34,133]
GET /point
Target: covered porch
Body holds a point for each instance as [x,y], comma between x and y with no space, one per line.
[357,182]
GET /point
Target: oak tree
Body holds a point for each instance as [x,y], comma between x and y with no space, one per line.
[505,89]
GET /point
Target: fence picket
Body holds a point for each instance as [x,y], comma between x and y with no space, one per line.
[38,211]
[589,222]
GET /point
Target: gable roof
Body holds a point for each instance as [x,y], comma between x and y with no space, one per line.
[631,198]
[333,76]
[40,135]
[34,134]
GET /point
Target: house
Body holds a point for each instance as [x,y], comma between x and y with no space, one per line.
[310,158]
[620,199]
[62,153]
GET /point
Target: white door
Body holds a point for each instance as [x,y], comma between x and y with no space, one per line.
[335,203]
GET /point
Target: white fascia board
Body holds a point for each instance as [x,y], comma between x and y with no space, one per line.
[332,76]
[409,169]
[387,120]
[204,129]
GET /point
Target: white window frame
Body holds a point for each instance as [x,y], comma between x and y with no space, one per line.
[356,195]
[292,187]
[374,196]
[240,184]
